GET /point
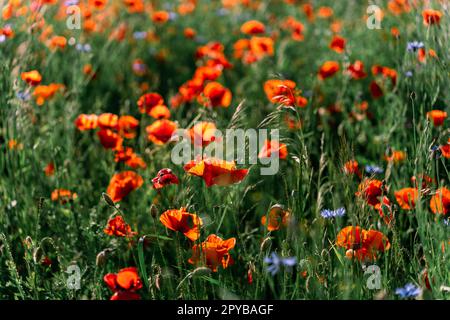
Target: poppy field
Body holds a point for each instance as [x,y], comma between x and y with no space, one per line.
[336,187]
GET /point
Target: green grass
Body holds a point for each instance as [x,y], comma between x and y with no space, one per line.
[309,180]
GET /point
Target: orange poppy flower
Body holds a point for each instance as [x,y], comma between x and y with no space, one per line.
[440,201]
[203,133]
[214,171]
[395,32]
[128,156]
[275,89]
[352,167]
[121,184]
[385,210]
[63,195]
[362,244]
[108,121]
[396,157]
[58,42]
[398,7]
[261,47]
[438,117]
[109,139]
[118,227]
[337,44]
[270,147]
[163,178]
[44,93]
[426,181]
[295,27]
[86,122]
[325,12]
[161,131]
[276,218]
[253,27]
[370,190]
[189,33]
[213,252]
[148,101]
[160,17]
[124,284]
[431,17]
[182,221]
[356,70]
[328,69]
[127,125]
[445,150]
[160,112]
[33,77]
[49,169]
[209,73]
[407,198]
[350,237]
[215,95]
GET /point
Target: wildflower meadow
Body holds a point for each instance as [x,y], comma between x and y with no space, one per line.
[224,149]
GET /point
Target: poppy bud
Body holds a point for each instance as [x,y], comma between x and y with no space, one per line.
[154,211]
[108,199]
[101,258]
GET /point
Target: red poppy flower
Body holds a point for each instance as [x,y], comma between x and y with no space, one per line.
[182,221]
[276,89]
[126,126]
[149,101]
[215,171]
[276,218]
[161,131]
[440,201]
[203,133]
[352,167]
[356,70]
[86,122]
[63,195]
[213,252]
[337,44]
[109,139]
[370,190]
[215,95]
[407,198]
[328,69]
[160,17]
[124,284]
[163,178]
[437,116]
[118,227]
[44,93]
[108,121]
[270,147]
[33,77]
[121,184]
[431,17]
[253,27]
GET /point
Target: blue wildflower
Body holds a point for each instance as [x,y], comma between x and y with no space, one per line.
[83,47]
[275,263]
[328,214]
[409,74]
[2,38]
[23,95]
[374,169]
[408,291]
[139,35]
[414,46]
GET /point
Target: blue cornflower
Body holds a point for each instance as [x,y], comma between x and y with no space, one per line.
[328,214]
[409,74]
[2,38]
[374,169]
[275,263]
[414,46]
[447,222]
[23,95]
[83,47]
[139,35]
[69,3]
[408,291]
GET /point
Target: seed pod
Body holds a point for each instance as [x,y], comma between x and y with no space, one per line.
[102,257]
[108,199]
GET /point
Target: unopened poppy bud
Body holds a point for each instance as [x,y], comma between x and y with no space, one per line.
[100,260]
[154,211]
[349,254]
[37,255]
[108,199]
